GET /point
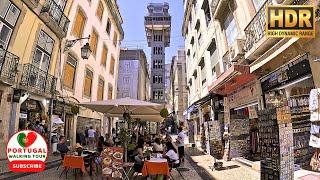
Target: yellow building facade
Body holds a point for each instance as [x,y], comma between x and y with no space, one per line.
[31,32]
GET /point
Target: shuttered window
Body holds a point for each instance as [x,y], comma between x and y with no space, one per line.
[94,42]
[88,82]
[100,90]
[100,10]
[79,23]
[115,39]
[69,72]
[111,71]
[110,89]
[104,56]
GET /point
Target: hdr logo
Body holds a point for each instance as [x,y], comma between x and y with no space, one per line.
[290,21]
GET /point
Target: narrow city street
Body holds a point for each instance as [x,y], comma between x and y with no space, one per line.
[160,89]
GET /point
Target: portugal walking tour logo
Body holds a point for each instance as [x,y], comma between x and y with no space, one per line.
[27,151]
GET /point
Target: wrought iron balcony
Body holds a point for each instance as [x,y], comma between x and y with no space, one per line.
[256,28]
[38,81]
[32,3]
[8,66]
[53,16]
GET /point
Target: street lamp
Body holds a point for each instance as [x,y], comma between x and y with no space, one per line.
[85,50]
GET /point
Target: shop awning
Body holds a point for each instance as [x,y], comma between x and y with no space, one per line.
[277,50]
[235,77]
[201,102]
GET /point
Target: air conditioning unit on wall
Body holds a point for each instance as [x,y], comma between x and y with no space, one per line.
[236,50]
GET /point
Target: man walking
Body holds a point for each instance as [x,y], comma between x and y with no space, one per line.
[180,142]
[91,137]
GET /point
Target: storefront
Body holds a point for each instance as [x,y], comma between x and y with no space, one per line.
[242,96]
[63,115]
[31,112]
[286,92]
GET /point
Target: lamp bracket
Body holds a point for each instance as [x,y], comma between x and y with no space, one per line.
[70,43]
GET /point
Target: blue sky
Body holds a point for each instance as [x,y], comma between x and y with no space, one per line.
[133,12]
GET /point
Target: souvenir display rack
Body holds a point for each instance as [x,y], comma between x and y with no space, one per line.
[276,143]
[299,105]
[240,137]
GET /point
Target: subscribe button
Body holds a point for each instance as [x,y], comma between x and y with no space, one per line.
[26,166]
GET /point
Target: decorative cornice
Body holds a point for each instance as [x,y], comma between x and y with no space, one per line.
[116,16]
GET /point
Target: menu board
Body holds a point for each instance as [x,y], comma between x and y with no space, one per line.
[112,161]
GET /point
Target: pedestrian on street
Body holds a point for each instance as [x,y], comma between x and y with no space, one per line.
[180,143]
[91,137]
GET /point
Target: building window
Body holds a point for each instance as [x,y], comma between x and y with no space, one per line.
[104,56]
[88,82]
[110,90]
[231,29]
[200,39]
[100,89]
[69,72]
[111,70]
[160,95]
[94,42]
[206,9]
[192,41]
[126,79]
[203,72]
[108,28]
[100,10]
[79,24]
[115,39]
[43,51]
[9,14]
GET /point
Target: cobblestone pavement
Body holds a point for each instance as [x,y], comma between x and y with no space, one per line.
[231,171]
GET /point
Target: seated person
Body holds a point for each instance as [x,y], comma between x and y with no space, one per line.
[157,146]
[138,165]
[62,146]
[171,155]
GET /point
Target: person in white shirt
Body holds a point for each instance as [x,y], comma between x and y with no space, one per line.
[91,137]
[157,146]
[171,155]
[180,143]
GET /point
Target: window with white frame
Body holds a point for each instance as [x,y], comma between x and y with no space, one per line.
[9,14]
[43,51]
[230,29]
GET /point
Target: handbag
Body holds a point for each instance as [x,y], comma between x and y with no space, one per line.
[315,161]
[314,141]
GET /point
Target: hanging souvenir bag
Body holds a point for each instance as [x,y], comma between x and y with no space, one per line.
[314,103]
[315,161]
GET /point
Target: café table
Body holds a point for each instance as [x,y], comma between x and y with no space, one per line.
[73,162]
[156,166]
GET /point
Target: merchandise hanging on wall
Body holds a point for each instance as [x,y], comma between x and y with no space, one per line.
[314,102]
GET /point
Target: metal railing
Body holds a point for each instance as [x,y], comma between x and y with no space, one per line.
[8,66]
[37,80]
[56,13]
[257,27]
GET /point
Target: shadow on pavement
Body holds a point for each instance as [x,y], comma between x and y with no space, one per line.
[227,167]
[200,170]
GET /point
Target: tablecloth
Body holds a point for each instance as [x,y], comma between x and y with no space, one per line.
[154,168]
[74,162]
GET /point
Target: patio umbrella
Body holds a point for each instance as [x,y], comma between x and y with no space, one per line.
[137,109]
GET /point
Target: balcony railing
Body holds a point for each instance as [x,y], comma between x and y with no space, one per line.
[257,27]
[8,66]
[53,15]
[38,81]
[164,20]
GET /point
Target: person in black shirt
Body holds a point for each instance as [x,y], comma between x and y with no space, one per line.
[62,147]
